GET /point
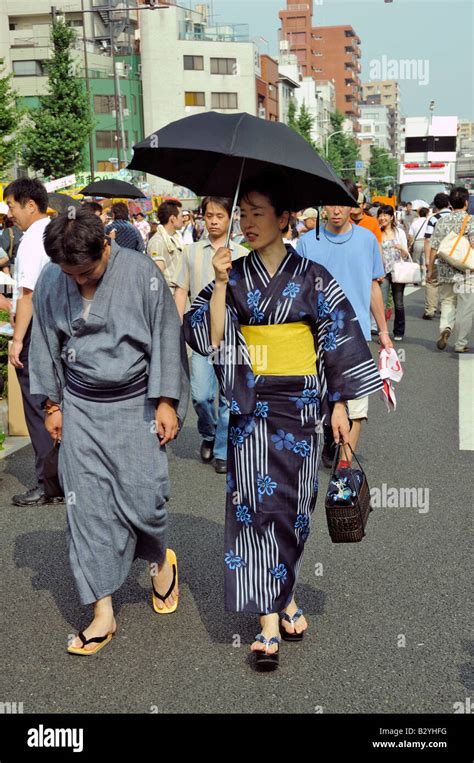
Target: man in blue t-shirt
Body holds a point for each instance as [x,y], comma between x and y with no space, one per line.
[351,254]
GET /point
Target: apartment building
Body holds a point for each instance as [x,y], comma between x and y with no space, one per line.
[191,65]
[386,93]
[328,54]
[113,80]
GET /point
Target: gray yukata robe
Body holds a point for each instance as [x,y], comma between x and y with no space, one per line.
[113,470]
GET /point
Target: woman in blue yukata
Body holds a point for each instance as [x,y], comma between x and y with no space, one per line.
[288,351]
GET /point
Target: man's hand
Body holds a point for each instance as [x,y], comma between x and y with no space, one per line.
[166,421]
[385,340]
[54,424]
[14,353]
[340,423]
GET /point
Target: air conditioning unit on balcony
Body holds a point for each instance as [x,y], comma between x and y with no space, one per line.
[284,46]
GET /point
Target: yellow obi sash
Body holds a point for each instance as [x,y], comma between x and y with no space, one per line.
[285,349]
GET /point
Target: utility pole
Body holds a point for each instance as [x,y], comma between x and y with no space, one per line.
[116,95]
[88,89]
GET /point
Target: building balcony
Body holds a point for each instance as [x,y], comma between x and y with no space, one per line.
[189,30]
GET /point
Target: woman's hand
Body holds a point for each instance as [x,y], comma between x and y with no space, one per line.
[54,424]
[222,264]
[340,423]
[166,421]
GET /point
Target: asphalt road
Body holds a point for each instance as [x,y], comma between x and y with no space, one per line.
[388,617]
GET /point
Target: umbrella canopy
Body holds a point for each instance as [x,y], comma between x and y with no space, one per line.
[61,202]
[419,204]
[205,153]
[3,208]
[112,189]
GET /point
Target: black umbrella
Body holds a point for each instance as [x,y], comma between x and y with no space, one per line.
[212,153]
[112,189]
[61,202]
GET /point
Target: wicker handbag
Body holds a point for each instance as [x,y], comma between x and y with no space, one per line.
[347,502]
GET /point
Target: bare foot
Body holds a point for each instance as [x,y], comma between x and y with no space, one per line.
[102,624]
[269,629]
[162,582]
[300,625]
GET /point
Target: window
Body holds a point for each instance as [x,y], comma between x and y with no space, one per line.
[223,66]
[193,63]
[105,139]
[194,99]
[28,68]
[224,101]
[105,104]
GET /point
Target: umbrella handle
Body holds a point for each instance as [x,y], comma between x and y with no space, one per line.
[234,205]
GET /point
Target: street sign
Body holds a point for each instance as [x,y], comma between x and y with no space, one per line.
[359,172]
[359,164]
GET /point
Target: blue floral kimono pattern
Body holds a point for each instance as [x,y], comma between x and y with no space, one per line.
[276,422]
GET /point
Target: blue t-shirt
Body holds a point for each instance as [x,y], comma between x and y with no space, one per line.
[353,259]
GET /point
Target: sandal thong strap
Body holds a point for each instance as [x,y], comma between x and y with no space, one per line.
[170,590]
[291,620]
[97,640]
[268,642]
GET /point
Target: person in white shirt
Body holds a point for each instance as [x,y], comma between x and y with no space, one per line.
[416,239]
[195,273]
[187,231]
[27,201]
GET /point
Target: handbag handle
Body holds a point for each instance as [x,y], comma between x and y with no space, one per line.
[461,234]
[336,456]
[333,469]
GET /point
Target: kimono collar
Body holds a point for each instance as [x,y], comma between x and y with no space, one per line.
[100,301]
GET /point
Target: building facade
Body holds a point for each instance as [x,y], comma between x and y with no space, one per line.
[386,93]
[113,81]
[327,54]
[268,88]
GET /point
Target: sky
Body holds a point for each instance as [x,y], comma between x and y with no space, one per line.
[437,34]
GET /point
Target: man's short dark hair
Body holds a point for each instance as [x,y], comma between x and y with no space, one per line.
[75,239]
[222,201]
[93,206]
[168,209]
[120,211]
[28,189]
[423,212]
[458,197]
[352,188]
[409,203]
[441,201]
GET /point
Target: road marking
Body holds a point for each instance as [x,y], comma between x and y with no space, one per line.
[466,405]
[411,290]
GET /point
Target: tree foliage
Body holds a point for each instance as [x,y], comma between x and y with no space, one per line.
[343,150]
[301,122]
[9,122]
[382,170]
[61,126]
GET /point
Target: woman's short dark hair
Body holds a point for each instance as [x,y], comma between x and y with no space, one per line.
[76,239]
[120,211]
[222,201]
[28,189]
[458,197]
[274,186]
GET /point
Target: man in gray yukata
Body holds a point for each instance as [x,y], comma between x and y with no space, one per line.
[110,356]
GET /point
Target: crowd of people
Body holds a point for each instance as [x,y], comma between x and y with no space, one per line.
[102,312]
